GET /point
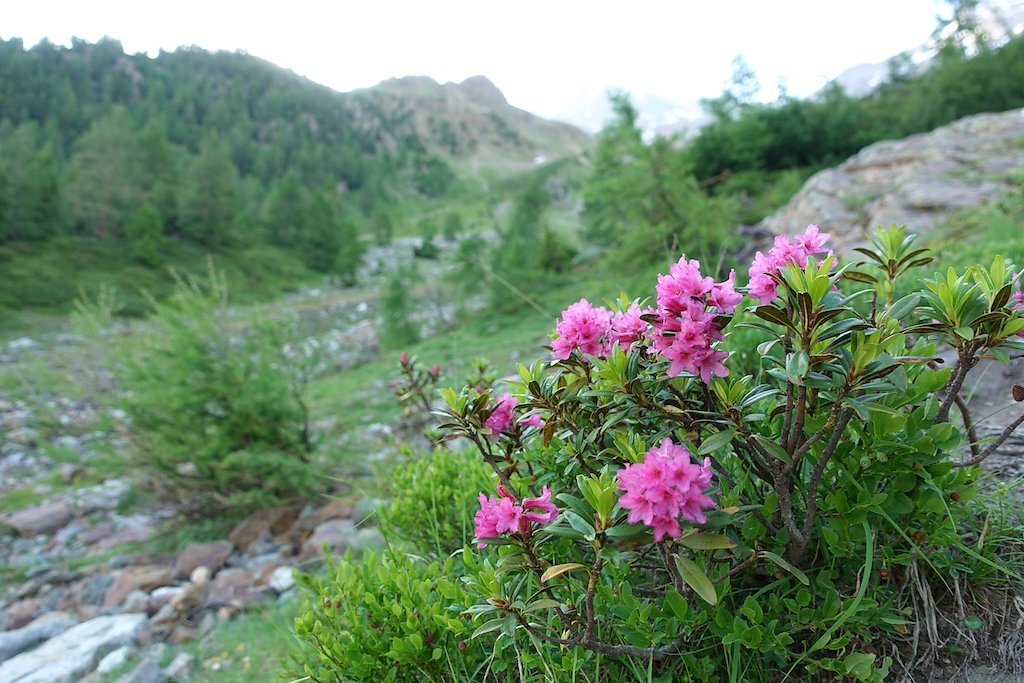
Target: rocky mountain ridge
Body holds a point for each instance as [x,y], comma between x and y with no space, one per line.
[469,122]
[919,181]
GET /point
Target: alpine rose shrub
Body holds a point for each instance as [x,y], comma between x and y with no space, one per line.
[691,518]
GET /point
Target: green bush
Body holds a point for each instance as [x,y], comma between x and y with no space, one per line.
[435,498]
[217,417]
[387,618]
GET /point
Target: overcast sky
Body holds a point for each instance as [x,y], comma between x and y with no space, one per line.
[542,55]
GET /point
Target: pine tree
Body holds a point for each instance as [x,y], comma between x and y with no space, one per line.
[104,187]
[285,213]
[144,236]
[208,202]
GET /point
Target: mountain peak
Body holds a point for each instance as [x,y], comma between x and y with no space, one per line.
[480,89]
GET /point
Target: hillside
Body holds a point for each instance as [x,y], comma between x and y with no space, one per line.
[115,167]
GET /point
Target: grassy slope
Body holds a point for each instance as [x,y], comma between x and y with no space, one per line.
[42,280]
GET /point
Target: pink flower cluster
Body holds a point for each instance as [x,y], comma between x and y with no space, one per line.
[665,486]
[502,515]
[1018,305]
[503,415]
[765,266]
[593,329]
[686,331]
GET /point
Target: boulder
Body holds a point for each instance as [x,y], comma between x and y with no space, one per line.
[75,652]
[114,659]
[262,522]
[45,627]
[210,555]
[42,519]
[918,181]
[144,578]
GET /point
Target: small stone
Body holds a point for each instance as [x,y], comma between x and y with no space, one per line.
[25,436]
[192,597]
[200,575]
[42,519]
[94,589]
[282,579]
[146,671]
[164,619]
[232,586]
[337,509]
[212,555]
[179,667]
[69,471]
[144,578]
[162,596]
[335,534]
[137,601]
[114,659]
[259,523]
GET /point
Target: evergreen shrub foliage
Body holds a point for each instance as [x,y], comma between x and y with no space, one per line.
[663,508]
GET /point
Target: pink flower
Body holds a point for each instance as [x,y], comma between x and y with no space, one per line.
[496,516]
[664,487]
[763,285]
[627,327]
[724,296]
[501,417]
[686,332]
[582,327]
[539,510]
[531,420]
[1018,305]
[502,515]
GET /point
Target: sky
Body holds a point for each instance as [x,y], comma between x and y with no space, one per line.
[542,55]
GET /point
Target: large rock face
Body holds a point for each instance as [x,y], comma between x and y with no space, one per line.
[73,653]
[919,181]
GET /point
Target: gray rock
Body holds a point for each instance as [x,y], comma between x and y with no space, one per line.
[73,653]
[93,591]
[42,519]
[335,534]
[114,659]
[282,579]
[105,496]
[919,181]
[179,667]
[25,436]
[43,628]
[147,671]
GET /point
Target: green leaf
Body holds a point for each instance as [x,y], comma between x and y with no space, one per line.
[678,604]
[559,569]
[773,449]
[801,577]
[543,603]
[696,579]
[707,541]
[716,441]
[901,308]
[492,625]
[859,665]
